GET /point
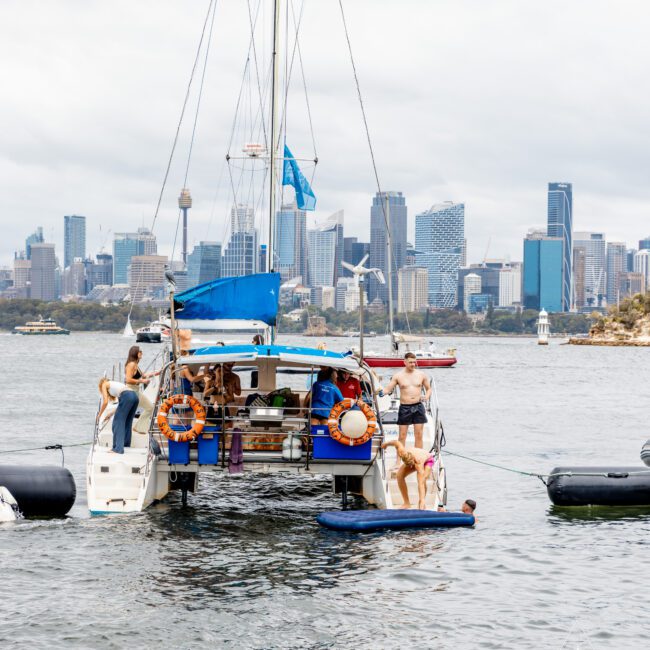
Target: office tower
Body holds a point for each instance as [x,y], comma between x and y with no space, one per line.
[204,263]
[291,243]
[543,278]
[74,238]
[510,285]
[579,269]
[22,272]
[490,278]
[412,289]
[74,278]
[387,207]
[346,287]
[240,256]
[616,264]
[439,240]
[630,284]
[463,253]
[261,263]
[100,273]
[126,245]
[35,238]
[595,265]
[560,224]
[642,266]
[629,259]
[147,277]
[471,286]
[644,244]
[43,271]
[148,239]
[184,203]
[411,254]
[322,245]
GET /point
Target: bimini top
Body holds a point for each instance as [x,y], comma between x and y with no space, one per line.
[286,354]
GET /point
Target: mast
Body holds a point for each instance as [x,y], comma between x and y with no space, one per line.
[389,253]
[270,253]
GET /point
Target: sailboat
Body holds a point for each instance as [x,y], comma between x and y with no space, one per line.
[270,427]
[128,329]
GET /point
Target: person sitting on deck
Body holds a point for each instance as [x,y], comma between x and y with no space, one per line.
[324,394]
[413,459]
[349,385]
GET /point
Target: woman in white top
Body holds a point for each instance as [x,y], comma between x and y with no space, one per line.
[127,403]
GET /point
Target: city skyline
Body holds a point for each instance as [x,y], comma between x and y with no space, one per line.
[586,129]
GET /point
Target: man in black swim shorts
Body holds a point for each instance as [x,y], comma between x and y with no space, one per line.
[411,382]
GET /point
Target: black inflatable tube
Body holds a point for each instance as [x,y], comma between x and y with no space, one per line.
[40,491]
[600,486]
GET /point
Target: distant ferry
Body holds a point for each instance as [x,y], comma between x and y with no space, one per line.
[40,326]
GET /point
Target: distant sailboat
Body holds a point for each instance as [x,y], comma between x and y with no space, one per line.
[128,330]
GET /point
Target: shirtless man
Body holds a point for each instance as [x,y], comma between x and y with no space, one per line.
[414,460]
[411,382]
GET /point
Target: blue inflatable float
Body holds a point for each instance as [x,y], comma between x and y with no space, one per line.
[369,520]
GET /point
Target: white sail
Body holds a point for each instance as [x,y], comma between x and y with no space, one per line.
[128,330]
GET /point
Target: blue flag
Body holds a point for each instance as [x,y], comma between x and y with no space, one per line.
[291,175]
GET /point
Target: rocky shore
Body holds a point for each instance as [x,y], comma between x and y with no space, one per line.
[626,324]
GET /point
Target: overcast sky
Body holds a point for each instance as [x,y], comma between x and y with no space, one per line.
[475,101]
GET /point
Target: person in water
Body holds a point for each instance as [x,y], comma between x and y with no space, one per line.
[413,459]
[127,403]
[468,507]
[411,382]
[134,379]
[323,395]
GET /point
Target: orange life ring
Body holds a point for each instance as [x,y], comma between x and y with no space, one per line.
[199,418]
[335,429]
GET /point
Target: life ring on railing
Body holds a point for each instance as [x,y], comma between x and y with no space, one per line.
[335,429]
[199,418]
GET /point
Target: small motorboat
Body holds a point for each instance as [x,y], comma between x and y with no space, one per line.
[403,343]
[155,332]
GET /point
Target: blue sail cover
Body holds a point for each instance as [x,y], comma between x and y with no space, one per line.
[248,297]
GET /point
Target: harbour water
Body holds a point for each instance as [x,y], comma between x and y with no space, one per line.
[246,565]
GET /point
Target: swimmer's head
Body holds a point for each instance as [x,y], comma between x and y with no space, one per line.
[468,507]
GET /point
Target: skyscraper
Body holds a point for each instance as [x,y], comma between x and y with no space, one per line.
[560,224]
[322,247]
[412,289]
[35,238]
[439,240]
[241,254]
[335,221]
[641,265]
[510,285]
[543,278]
[644,244]
[387,207]
[291,243]
[616,264]
[579,270]
[471,287]
[43,272]
[204,263]
[148,239]
[147,278]
[595,265]
[125,246]
[74,238]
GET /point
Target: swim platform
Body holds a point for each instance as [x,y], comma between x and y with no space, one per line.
[369,520]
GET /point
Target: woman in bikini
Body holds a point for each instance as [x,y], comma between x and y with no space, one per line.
[134,379]
[417,460]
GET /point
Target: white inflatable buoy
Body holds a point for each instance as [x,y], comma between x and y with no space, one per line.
[292,448]
[8,506]
[354,424]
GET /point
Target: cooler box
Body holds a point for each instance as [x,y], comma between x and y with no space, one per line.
[208,443]
[326,448]
[179,453]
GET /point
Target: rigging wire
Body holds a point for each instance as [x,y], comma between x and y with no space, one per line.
[392,261]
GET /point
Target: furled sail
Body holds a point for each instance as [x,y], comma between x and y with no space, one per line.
[247,297]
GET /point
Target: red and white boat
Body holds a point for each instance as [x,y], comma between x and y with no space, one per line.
[403,343]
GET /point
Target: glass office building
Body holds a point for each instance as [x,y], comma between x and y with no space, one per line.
[560,224]
[543,277]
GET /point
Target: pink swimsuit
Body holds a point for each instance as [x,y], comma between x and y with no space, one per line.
[429,462]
